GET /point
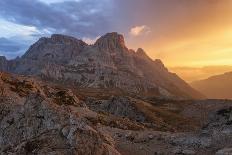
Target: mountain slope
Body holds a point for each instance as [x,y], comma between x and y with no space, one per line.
[106,64]
[219,86]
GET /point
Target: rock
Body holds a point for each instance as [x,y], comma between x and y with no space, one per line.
[65,131]
[119,106]
[183,151]
[188,152]
[225,151]
[66,97]
[150,136]
[36,126]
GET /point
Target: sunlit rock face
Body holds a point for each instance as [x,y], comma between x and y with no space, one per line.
[106,64]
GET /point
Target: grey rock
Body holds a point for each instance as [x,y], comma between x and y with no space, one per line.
[225,151]
[183,151]
[32,122]
[118,106]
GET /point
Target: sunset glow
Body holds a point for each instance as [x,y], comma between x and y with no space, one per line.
[214,49]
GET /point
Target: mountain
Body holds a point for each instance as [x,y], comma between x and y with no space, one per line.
[191,74]
[219,86]
[106,64]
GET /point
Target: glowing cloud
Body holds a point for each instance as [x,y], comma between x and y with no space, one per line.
[139,30]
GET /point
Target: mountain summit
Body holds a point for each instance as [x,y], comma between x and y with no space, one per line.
[106,64]
[111,41]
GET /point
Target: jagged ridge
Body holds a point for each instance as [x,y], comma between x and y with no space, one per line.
[106,64]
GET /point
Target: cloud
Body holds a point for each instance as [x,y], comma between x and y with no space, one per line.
[6,44]
[77,18]
[139,30]
[56,1]
[90,41]
[31,20]
[9,29]
[16,38]
[11,48]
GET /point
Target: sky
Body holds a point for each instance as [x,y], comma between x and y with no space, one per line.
[182,33]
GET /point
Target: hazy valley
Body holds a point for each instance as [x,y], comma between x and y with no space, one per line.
[218,86]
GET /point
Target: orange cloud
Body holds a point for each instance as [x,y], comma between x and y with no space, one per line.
[139,30]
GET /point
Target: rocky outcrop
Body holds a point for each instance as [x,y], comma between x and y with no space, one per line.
[225,151]
[39,127]
[106,64]
[118,106]
[33,121]
[216,134]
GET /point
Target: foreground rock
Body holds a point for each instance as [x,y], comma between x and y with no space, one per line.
[38,125]
[42,118]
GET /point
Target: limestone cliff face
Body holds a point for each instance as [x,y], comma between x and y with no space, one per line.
[3,63]
[106,64]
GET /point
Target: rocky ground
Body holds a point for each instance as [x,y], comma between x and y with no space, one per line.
[41,118]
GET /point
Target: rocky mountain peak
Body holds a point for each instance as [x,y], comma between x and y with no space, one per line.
[158,61]
[56,47]
[111,41]
[2,58]
[159,64]
[106,64]
[142,54]
[64,38]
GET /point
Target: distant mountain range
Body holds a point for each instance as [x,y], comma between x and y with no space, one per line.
[190,74]
[217,87]
[106,64]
